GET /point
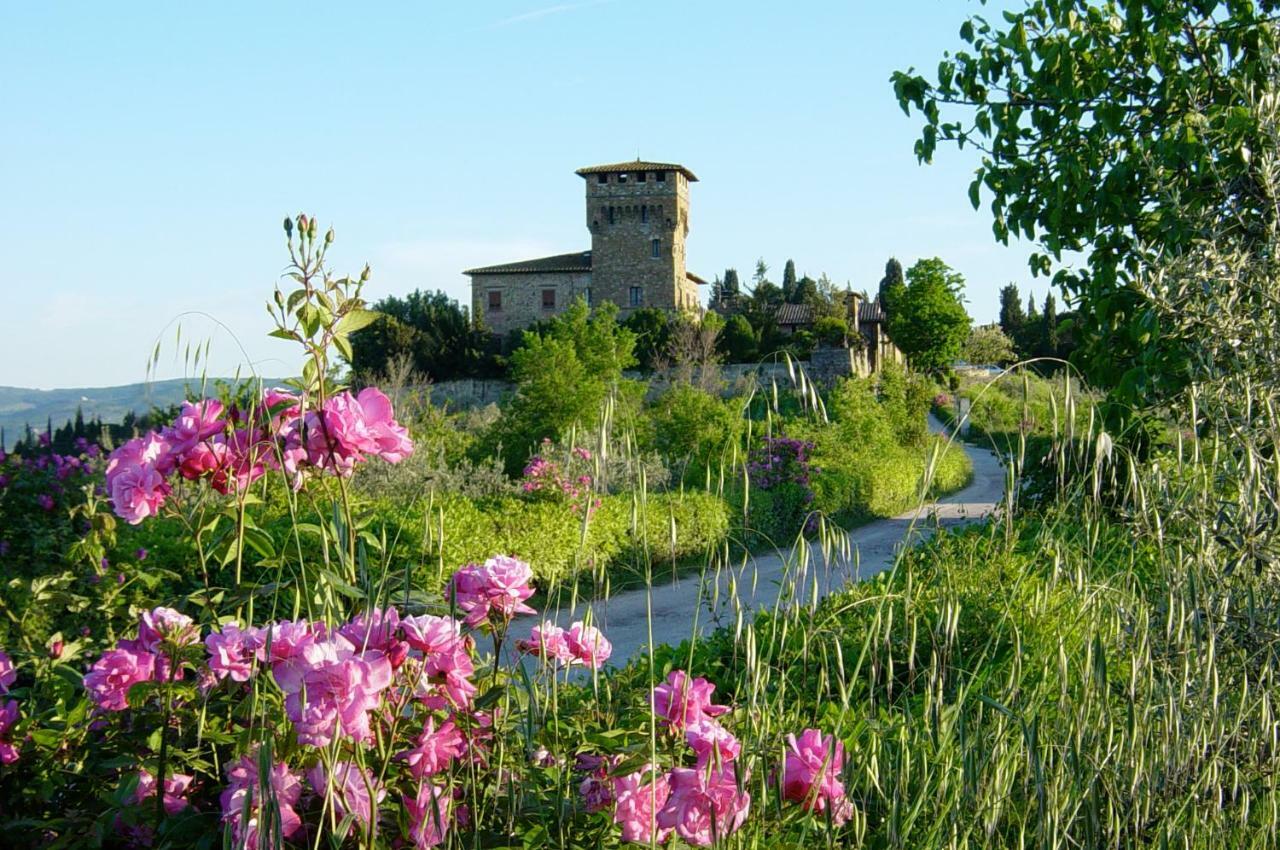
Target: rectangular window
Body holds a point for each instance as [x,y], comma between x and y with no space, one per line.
[644,214]
[637,296]
[602,178]
[548,299]
[588,294]
[655,248]
[640,175]
[611,215]
[622,177]
[662,177]
[495,301]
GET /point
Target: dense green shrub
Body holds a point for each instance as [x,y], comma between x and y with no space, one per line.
[696,430]
[451,530]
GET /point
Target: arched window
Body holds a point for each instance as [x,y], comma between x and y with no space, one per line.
[644,215]
[655,248]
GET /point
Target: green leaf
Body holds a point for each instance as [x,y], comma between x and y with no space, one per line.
[357,319]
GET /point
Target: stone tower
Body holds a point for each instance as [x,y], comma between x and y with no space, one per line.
[638,215]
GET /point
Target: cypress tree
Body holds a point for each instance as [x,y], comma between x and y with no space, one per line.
[789,282]
[1050,333]
[1012,317]
[892,282]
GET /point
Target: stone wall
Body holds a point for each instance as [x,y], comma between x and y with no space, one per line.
[522,297]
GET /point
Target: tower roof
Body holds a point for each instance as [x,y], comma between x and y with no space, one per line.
[637,165]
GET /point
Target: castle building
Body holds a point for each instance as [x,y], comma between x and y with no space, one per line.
[638,215]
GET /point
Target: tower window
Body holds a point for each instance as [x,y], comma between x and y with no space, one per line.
[602,178]
[587,292]
[644,214]
[611,215]
[622,177]
[495,301]
[548,299]
[661,177]
[655,248]
[637,296]
[640,175]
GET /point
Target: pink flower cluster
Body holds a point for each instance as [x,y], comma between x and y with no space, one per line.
[700,804]
[345,688]
[495,590]
[543,475]
[8,710]
[145,659]
[232,449]
[579,644]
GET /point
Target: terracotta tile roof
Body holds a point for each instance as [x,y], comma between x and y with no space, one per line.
[637,165]
[693,277]
[578,262]
[794,314]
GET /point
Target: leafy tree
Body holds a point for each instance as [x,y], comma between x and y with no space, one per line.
[789,282]
[891,284]
[739,342]
[431,330]
[563,373]
[761,275]
[1028,342]
[695,428]
[928,321]
[805,292]
[1013,319]
[1110,128]
[730,284]
[988,345]
[831,330]
[652,333]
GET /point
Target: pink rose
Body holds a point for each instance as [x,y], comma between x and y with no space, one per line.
[711,742]
[283,646]
[350,790]
[8,719]
[195,423]
[281,405]
[589,646]
[811,771]
[338,690]
[548,642]
[8,674]
[232,652]
[165,624]
[374,629]
[137,491]
[109,679]
[175,790]
[431,635]
[467,590]
[700,796]
[392,441]
[498,588]
[244,460]
[435,749]
[244,808]
[429,815]
[682,701]
[638,804]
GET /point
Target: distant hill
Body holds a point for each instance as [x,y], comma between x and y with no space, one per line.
[20,406]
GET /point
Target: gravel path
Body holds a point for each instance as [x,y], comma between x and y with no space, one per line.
[679,609]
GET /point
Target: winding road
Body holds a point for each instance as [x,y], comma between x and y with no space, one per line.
[684,607]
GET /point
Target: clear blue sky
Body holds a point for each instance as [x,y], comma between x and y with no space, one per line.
[149,152]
